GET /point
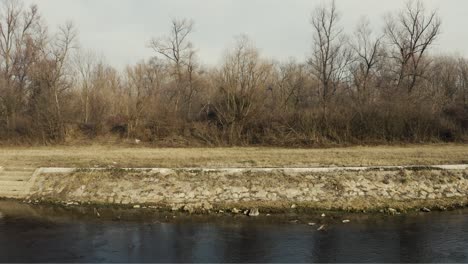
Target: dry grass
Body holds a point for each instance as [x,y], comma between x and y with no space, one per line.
[89,156]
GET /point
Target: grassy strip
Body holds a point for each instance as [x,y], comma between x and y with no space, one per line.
[98,156]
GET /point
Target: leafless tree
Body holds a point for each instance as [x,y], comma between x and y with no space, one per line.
[463,79]
[247,99]
[330,54]
[411,33]
[242,80]
[52,78]
[368,52]
[61,49]
[144,86]
[179,52]
[86,63]
[292,84]
[22,36]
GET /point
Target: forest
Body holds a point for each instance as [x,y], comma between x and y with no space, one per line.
[365,87]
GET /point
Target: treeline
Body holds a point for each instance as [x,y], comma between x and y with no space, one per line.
[365,87]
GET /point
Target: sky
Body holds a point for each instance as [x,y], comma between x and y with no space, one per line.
[120,30]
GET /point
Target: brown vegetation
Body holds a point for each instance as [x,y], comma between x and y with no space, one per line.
[364,88]
[127,156]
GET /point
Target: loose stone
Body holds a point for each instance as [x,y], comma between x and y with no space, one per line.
[346,221]
[311,224]
[426,210]
[207,206]
[188,208]
[324,190]
[254,212]
[322,227]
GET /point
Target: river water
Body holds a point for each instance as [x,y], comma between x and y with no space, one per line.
[51,234]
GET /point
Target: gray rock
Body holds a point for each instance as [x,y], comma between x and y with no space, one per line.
[176,207]
[136,206]
[262,194]
[188,208]
[293,206]
[442,208]
[235,210]
[346,221]
[321,228]
[97,212]
[254,212]
[207,206]
[426,210]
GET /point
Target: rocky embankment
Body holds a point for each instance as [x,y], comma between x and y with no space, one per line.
[268,189]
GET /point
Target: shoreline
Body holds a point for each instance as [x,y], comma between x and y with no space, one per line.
[391,208]
[113,212]
[396,189]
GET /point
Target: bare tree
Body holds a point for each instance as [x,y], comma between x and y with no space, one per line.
[144,87]
[86,64]
[330,54]
[61,50]
[178,50]
[411,34]
[22,36]
[242,80]
[51,79]
[292,83]
[107,99]
[368,51]
[463,79]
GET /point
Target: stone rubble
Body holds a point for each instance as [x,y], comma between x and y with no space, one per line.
[199,190]
[253,212]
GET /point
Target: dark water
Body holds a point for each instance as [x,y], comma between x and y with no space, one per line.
[50,235]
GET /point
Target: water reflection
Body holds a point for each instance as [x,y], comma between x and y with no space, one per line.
[438,237]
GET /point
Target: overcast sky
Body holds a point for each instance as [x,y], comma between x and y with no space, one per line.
[121,29]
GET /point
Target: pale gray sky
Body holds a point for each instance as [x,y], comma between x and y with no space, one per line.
[121,29]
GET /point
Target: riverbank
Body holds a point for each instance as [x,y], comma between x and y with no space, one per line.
[274,190]
[270,179]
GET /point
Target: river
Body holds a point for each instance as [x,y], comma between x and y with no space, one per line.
[57,234]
